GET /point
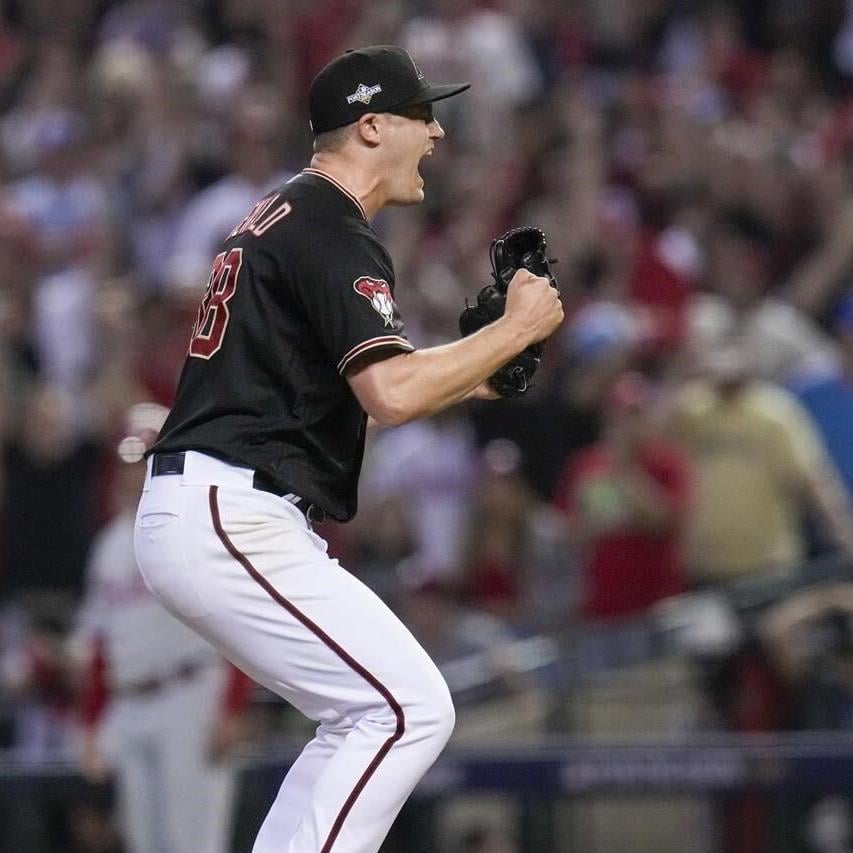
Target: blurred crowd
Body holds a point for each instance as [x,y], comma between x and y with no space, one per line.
[691,162]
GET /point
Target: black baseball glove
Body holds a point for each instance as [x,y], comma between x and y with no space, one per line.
[519,247]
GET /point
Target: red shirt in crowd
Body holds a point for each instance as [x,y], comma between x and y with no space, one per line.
[626,569]
[663,293]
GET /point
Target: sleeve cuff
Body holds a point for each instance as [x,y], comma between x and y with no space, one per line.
[395,341]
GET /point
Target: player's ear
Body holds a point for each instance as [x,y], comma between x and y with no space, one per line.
[368,128]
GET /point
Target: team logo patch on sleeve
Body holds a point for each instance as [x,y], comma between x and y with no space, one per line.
[377,292]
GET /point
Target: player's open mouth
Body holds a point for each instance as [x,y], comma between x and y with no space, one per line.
[427,153]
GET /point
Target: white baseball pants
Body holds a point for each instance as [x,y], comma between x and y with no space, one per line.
[244,569]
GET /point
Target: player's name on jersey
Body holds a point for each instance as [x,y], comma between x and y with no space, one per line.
[264,215]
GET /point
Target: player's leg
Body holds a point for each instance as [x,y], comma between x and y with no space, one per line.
[297,788]
[351,664]
[268,595]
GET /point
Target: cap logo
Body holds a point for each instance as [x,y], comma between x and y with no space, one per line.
[363,93]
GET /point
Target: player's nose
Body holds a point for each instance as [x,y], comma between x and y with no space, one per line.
[436,131]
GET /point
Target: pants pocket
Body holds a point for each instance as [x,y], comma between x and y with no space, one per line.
[160,544]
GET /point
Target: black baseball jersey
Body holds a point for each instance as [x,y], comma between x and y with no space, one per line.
[301,288]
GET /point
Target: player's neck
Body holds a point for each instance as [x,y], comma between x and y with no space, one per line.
[353,177]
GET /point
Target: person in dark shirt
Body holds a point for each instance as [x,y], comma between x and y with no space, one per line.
[49,510]
[297,341]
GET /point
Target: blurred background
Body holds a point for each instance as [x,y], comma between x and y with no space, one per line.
[636,580]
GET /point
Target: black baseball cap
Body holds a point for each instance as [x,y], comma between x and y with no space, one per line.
[378,79]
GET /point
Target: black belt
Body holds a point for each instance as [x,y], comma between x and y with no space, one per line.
[173,463]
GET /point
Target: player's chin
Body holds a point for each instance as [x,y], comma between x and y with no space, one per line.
[418,191]
[413,194]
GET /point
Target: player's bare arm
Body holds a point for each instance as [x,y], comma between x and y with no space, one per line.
[413,385]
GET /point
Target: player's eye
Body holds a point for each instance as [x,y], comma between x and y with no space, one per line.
[421,112]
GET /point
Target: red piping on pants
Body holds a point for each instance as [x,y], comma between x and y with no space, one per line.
[341,653]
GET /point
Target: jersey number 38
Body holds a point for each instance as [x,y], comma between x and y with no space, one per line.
[212,320]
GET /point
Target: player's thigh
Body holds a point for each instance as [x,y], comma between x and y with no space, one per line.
[300,623]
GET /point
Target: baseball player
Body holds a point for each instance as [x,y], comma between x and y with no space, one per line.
[159,706]
[297,341]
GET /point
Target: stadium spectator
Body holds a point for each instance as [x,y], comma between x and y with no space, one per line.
[760,465]
[487,46]
[51,469]
[426,469]
[517,566]
[35,673]
[626,499]
[253,145]
[784,344]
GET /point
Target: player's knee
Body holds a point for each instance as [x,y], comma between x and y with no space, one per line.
[434,715]
[446,718]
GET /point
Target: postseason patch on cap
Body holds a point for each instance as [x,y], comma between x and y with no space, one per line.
[364,93]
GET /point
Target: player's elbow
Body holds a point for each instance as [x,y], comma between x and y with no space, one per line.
[391,410]
[384,391]
[386,421]
[404,401]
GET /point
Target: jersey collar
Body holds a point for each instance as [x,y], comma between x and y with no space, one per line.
[326,176]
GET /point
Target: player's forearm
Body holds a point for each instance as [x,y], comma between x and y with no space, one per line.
[484,391]
[421,383]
